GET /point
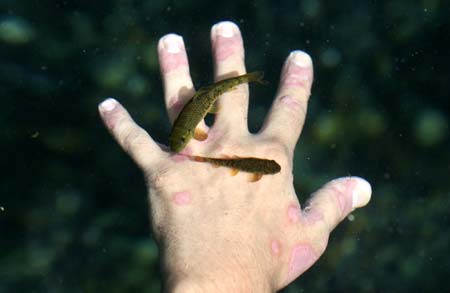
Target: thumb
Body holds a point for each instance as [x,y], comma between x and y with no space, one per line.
[336,199]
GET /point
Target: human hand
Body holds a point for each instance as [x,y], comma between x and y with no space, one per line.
[218,232]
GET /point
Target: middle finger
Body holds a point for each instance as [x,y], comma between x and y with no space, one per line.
[228,54]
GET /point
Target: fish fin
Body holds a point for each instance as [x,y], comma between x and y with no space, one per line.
[198,159]
[255,177]
[263,82]
[214,108]
[234,171]
[200,134]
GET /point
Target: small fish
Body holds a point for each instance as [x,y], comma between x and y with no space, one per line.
[256,166]
[201,103]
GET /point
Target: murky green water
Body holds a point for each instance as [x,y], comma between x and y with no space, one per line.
[73,213]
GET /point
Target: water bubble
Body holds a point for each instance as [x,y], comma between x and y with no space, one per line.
[311,8]
[331,57]
[431,127]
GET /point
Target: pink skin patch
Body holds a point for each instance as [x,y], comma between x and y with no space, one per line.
[275,247]
[225,47]
[297,76]
[182,198]
[179,158]
[294,213]
[302,258]
[172,61]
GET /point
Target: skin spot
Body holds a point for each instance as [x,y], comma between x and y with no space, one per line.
[302,258]
[275,247]
[182,198]
[226,47]
[294,213]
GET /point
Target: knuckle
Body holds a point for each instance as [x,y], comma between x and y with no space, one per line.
[295,103]
[274,147]
[133,138]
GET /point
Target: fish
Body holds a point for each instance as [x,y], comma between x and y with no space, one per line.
[258,167]
[202,103]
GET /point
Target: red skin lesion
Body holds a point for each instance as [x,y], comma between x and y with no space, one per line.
[182,198]
[294,213]
[275,247]
[302,258]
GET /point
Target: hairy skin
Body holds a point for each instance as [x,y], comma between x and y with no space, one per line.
[222,233]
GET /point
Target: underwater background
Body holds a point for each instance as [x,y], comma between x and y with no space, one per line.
[73,206]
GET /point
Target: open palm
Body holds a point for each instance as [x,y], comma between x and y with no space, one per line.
[221,232]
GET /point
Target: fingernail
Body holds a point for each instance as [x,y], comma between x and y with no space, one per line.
[361,193]
[226,29]
[172,43]
[300,58]
[108,105]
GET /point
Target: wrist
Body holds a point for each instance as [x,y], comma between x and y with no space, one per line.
[219,282]
[219,285]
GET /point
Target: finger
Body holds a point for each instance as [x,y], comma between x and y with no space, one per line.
[287,114]
[133,139]
[228,54]
[177,82]
[334,201]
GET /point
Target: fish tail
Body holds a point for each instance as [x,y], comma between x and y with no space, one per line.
[257,76]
